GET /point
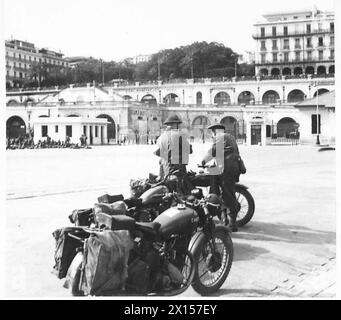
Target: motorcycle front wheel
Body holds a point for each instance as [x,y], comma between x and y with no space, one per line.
[213,265]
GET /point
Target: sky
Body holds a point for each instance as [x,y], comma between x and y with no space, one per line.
[117,29]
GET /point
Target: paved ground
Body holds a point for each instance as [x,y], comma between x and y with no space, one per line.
[287,250]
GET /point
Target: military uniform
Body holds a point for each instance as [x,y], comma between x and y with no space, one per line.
[229,172]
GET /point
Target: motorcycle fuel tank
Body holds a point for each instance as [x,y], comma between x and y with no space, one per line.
[177,220]
[154,195]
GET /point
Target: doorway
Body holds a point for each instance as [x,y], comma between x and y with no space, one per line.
[256,134]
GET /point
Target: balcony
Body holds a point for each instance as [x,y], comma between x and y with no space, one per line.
[292,34]
[293,61]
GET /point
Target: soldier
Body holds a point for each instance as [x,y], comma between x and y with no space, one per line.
[229,169]
[173,149]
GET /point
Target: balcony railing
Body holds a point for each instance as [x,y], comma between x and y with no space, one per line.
[289,61]
[292,33]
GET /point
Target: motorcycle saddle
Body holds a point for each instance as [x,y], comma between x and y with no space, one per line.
[148,228]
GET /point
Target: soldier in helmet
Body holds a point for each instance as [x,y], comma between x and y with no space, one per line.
[173,147]
[228,175]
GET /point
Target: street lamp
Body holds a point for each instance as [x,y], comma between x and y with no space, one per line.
[317,115]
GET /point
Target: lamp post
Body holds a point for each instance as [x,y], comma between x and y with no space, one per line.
[317,115]
[29,112]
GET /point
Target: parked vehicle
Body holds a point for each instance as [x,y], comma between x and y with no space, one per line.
[182,247]
[245,201]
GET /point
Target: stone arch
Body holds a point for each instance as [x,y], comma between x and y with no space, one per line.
[286,72]
[199,127]
[111,126]
[231,125]
[127,97]
[309,70]
[298,71]
[171,99]
[221,98]
[296,96]
[275,72]
[331,69]
[149,99]
[73,115]
[246,97]
[199,98]
[321,70]
[29,100]
[15,126]
[264,72]
[321,91]
[286,127]
[270,97]
[12,102]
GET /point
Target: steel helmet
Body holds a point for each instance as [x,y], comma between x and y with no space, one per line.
[216,126]
[173,118]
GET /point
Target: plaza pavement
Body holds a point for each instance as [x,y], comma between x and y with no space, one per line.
[287,250]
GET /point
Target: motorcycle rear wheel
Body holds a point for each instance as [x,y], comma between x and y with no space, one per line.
[247,206]
[213,267]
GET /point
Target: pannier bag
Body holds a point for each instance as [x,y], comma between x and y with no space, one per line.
[117,222]
[138,186]
[116,208]
[106,198]
[66,248]
[242,168]
[105,262]
[81,217]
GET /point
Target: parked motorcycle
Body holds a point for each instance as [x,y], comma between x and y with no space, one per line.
[245,201]
[182,247]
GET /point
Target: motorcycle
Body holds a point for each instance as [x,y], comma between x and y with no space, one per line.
[245,201]
[182,247]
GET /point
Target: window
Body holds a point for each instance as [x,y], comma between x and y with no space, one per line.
[84,130]
[320,54]
[56,129]
[274,45]
[320,41]
[286,56]
[286,44]
[96,131]
[314,123]
[274,57]
[274,31]
[20,75]
[332,54]
[19,56]
[309,55]
[139,118]
[68,131]
[262,57]
[285,30]
[295,17]
[332,26]
[44,131]
[308,28]
[297,43]
[262,32]
[332,40]
[262,45]
[309,43]
[7,72]
[154,118]
[297,56]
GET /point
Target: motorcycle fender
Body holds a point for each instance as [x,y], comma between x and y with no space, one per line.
[196,242]
[71,272]
[241,186]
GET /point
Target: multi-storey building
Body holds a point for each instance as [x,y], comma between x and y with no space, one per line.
[22,57]
[295,42]
[140,58]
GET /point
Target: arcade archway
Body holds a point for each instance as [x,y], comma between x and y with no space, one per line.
[287,127]
[246,97]
[270,97]
[222,98]
[199,128]
[149,100]
[111,126]
[296,96]
[15,127]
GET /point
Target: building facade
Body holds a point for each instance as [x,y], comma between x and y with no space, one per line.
[24,61]
[295,42]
